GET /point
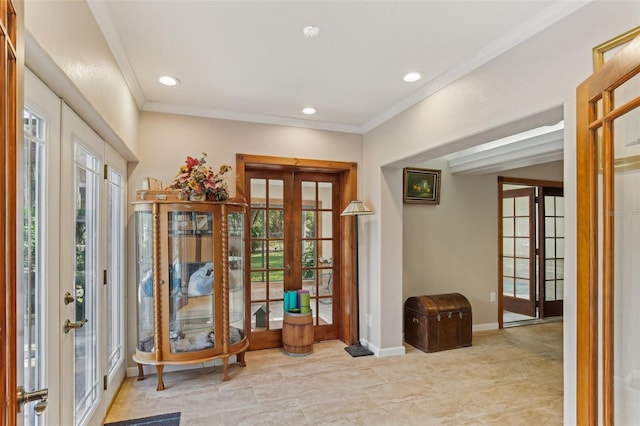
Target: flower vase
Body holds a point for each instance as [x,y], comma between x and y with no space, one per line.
[198,197]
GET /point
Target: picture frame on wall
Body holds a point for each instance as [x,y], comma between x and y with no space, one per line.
[421,186]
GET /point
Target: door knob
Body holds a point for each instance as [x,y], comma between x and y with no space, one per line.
[26,397]
[68,325]
[68,298]
[287,268]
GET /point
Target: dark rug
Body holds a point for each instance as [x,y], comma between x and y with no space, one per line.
[171,419]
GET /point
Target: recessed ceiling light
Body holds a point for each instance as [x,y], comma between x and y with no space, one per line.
[309,110]
[168,80]
[410,77]
[311,31]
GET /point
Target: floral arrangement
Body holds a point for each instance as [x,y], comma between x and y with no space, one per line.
[198,181]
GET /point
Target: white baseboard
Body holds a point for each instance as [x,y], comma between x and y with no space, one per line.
[484,327]
[394,351]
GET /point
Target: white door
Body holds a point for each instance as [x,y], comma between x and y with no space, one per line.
[81,268]
[40,295]
[74,256]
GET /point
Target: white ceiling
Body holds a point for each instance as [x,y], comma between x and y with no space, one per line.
[249,60]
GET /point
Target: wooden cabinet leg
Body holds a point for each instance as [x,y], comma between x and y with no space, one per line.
[140,372]
[240,359]
[159,369]
[225,369]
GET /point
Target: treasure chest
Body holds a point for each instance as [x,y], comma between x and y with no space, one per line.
[438,322]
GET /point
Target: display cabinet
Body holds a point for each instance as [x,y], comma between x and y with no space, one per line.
[190,281]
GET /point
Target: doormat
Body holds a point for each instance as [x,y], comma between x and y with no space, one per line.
[170,419]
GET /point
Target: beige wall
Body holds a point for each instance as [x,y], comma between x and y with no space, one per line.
[541,74]
[69,34]
[453,246]
[166,140]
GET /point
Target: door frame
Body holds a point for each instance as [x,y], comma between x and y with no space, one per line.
[593,303]
[514,181]
[11,104]
[348,172]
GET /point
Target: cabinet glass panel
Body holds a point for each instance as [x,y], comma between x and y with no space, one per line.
[191,281]
[236,277]
[144,275]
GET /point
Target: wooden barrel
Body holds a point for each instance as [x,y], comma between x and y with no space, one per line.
[297,334]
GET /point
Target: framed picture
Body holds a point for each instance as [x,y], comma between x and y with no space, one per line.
[421,186]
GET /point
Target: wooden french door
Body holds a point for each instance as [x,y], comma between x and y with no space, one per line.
[551,252]
[608,206]
[294,244]
[532,247]
[519,251]
[8,160]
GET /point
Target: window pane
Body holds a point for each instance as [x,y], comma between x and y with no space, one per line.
[522,247]
[522,289]
[522,268]
[522,206]
[115,288]
[508,246]
[325,224]
[325,194]
[508,287]
[508,227]
[507,207]
[550,247]
[549,205]
[276,193]
[522,226]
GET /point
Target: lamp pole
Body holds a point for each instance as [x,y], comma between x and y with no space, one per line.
[357,208]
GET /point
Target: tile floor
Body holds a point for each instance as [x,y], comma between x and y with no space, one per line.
[508,377]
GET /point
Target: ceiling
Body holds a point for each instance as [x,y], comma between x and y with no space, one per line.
[250,61]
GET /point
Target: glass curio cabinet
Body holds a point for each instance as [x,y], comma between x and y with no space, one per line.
[190,281]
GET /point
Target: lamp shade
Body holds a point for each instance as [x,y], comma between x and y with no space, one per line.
[356,208]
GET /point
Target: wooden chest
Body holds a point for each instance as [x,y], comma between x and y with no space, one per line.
[438,322]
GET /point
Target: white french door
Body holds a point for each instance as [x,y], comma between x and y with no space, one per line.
[41,255]
[74,256]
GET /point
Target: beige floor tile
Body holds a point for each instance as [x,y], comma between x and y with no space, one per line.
[508,377]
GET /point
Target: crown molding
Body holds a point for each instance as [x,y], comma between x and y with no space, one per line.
[541,21]
[552,14]
[252,118]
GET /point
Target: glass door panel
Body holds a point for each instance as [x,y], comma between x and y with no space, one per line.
[34,278]
[267,253]
[518,251]
[87,267]
[144,275]
[115,262]
[191,281]
[236,235]
[317,248]
[552,252]
[626,252]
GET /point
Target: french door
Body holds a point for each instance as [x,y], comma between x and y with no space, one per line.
[608,206]
[73,281]
[532,247]
[519,251]
[294,244]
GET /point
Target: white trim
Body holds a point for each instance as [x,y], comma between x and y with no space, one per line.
[252,118]
[552,14]
[485,327]
[528,29]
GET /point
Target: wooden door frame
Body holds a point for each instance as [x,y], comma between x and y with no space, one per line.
[502,180]
[599,85]
[348,173]
[11,102]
